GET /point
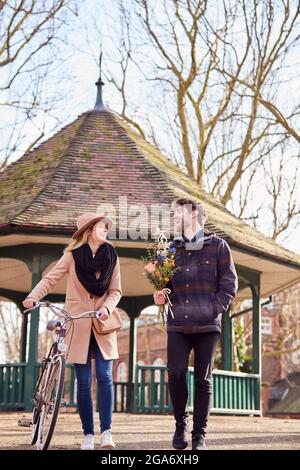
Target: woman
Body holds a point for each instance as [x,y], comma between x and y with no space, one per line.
[94,283]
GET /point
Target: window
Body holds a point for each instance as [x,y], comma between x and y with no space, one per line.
[266,326]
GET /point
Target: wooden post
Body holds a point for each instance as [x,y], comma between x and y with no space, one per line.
[23,339]
[256,339]
[30,377]
[132,363]
[256,329]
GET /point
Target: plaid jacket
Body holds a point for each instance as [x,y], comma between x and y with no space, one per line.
[204,286]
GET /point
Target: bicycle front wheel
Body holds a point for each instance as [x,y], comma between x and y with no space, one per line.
[38,401]
[51,403]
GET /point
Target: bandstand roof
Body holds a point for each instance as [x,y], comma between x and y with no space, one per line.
[93,161]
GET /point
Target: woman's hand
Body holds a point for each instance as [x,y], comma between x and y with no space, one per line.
[103,313]
[159,298]
[28,303]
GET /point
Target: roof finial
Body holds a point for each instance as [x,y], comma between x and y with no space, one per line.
[99,103]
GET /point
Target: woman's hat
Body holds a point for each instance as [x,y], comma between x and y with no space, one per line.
[90,218]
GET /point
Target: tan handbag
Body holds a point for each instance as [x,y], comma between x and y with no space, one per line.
[113,323]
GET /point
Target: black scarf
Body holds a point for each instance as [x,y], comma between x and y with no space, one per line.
[86,267]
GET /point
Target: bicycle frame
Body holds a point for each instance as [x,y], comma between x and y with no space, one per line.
[60,331]
[56,357]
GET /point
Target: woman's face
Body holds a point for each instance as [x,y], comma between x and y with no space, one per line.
[99,233]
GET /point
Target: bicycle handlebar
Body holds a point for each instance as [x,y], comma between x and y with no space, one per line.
[53,308]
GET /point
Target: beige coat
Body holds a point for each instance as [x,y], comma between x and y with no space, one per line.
[78,300]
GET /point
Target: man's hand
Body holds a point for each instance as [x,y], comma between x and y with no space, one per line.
[103,312]
[28,303]
[159,298]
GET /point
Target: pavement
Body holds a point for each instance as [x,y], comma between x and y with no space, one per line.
[154,432]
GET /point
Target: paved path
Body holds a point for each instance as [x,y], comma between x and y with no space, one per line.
[153,432]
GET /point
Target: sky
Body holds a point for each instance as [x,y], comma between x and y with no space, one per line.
[92,26]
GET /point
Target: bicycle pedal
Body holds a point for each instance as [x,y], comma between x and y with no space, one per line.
[24,422]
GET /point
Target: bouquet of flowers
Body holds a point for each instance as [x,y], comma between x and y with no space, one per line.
[159,268]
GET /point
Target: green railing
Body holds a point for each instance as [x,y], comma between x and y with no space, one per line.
[12,379]
[233,392]
[236,392]
[12,386]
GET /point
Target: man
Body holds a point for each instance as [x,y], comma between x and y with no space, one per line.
[201,291]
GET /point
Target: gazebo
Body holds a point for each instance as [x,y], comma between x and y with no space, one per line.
[98,161]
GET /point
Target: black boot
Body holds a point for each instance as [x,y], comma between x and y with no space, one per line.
[198,442]
[180,436]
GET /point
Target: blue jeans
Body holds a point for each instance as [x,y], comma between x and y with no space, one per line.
[105,390]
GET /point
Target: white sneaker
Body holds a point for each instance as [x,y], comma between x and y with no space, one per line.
[106,440]
[88,442]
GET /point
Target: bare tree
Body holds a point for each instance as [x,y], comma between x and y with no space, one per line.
[215,75]
[287,330]
[285,337]
[10,329]
[45,336]
[282,189]
[30,32]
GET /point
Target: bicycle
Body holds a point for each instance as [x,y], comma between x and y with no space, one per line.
[47,397]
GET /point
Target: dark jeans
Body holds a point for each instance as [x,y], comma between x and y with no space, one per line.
[179,348]
[105,389]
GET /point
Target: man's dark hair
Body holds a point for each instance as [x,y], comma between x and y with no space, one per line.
[191,205]
[182,201]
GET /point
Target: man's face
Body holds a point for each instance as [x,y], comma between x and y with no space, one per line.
[178,216]
[182,218]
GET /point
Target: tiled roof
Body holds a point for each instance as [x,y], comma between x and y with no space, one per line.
[23,182]
[94,160]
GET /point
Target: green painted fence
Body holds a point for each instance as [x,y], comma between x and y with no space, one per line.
[12,379]
[233,392]
[12,386]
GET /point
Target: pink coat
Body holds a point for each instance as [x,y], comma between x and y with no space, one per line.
[79,300]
